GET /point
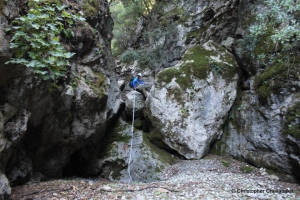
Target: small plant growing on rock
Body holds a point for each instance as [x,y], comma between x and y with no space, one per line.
[184,112]
[216,68]
[240,108]
[225,163]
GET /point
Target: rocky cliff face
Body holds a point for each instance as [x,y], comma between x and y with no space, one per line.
[197,83]
[262,126]
[42,123]
[206,92]
[191,103]
[255,132]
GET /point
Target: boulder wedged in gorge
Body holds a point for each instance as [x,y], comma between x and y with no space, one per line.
[189,103]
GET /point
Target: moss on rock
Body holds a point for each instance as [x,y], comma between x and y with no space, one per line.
[225,163]
[219,148]
[138,124]
[292,125]
[278,75]
[163,156]
[197,62]
[157,138]
[264,91]
[270,73]
[98,85]
[246,169]
[265,44]
[116,169]
[90,8]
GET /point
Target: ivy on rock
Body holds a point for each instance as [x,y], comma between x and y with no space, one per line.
[36,39]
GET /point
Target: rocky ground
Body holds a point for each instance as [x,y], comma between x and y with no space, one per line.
[213,177]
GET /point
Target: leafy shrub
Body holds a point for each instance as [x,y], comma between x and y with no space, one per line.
[126,15]
[129,56]
[147,57]
[36,39]
[277,31]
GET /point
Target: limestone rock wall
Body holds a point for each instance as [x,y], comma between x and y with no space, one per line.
[205,88]
[42,123]
[262,126]
[183,107]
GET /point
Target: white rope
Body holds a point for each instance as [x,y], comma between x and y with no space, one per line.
[129,159]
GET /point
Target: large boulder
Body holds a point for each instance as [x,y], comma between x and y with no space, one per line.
[190,101]
[136,99]
[146,160]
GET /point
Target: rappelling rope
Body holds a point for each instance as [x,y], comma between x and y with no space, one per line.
[129,159]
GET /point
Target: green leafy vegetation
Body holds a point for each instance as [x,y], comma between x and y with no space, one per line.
[277,28]
[142,31]
[273,45]
[130,56]
[147,57]
[184,112]
[36,38]
[126,14]
[276,32]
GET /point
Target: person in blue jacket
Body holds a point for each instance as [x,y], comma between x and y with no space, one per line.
[137,81]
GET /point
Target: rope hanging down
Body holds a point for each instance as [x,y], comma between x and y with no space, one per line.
[129,159]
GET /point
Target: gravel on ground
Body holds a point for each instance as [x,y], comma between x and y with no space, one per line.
[212,177]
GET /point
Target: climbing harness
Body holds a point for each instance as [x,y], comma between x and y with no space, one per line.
[129,159]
